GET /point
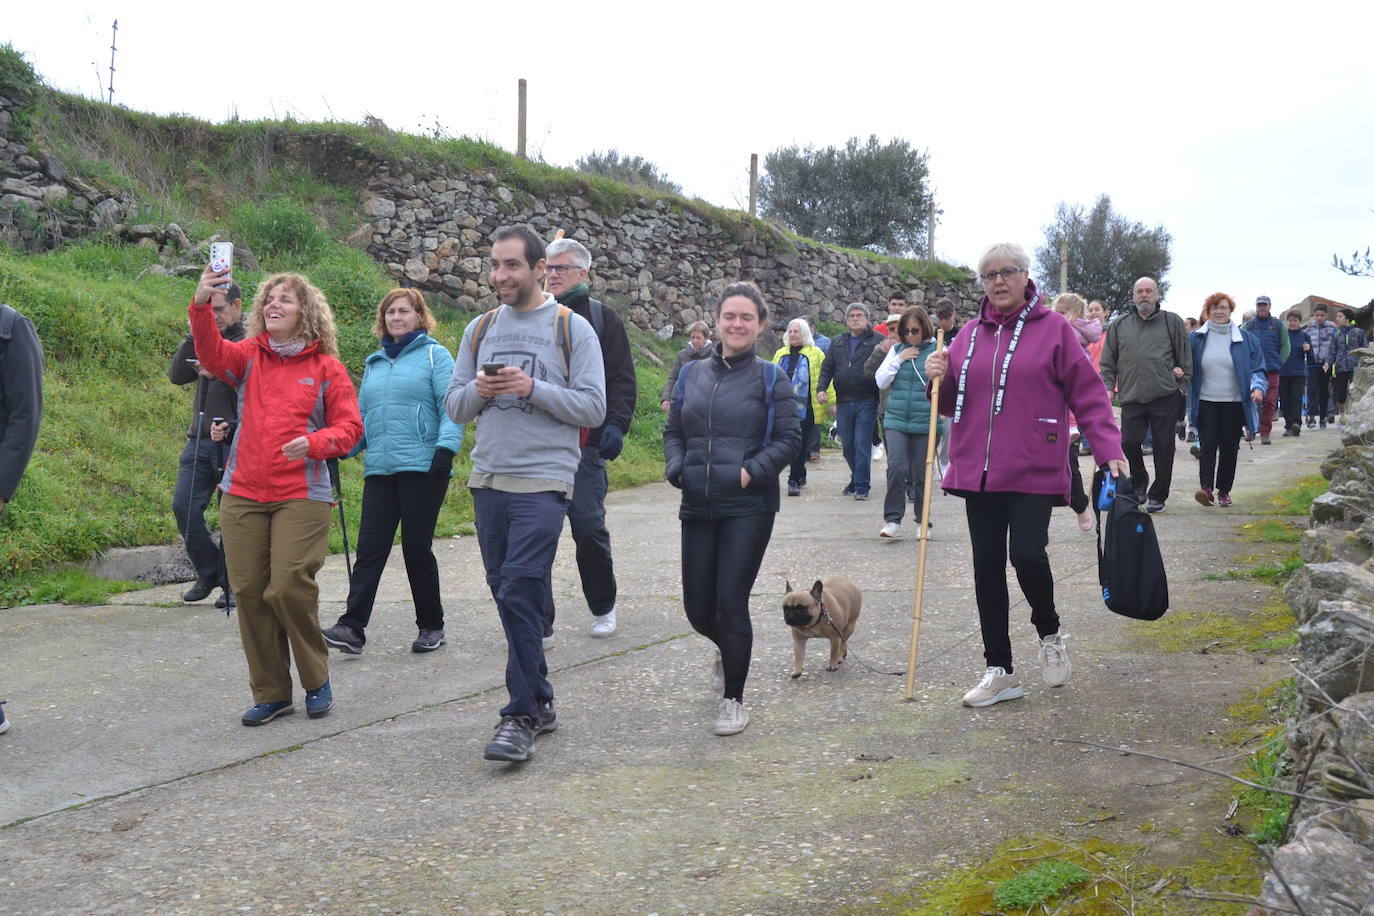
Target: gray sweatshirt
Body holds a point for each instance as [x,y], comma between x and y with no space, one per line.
[529,444]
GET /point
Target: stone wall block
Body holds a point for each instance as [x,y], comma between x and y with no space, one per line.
[1336,650]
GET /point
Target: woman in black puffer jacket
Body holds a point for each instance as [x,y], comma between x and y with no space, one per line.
[732,428]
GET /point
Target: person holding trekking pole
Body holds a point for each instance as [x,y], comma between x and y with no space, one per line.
[299,408]
[1014,374]
[201,459]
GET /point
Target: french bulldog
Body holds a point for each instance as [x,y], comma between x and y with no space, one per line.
[828,611]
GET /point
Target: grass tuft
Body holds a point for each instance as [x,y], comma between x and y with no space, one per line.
[1039,884]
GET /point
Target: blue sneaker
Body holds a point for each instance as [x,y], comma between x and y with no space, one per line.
[266,712]
[319,701]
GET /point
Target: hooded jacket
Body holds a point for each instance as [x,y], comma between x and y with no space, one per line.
[402,405]
[719,428]
[847,372]
[1025,447]
[1247,357]
[280,399]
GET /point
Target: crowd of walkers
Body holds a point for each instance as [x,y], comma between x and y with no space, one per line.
[1000,410]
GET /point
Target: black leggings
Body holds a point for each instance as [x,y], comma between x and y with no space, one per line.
[1218,437]
[1026,518]
[720,561]
[411,499]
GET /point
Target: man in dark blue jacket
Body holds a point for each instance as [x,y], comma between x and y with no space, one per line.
[1273,338]
[856,395]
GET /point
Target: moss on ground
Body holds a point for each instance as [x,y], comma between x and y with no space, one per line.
[1254,629]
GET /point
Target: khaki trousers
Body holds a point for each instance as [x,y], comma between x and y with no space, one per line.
[272,551]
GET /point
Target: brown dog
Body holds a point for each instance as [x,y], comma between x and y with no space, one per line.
[828,611]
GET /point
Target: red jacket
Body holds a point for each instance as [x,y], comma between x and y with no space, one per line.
[309,395]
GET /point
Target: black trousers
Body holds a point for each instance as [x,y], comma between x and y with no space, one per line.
[1021,521]
[1318,392]
[411,499]
[1218,436]
[197,477]
[1291,388]
[720,561]
[1078,497]
[1159,417]
[797,473]
[591,538]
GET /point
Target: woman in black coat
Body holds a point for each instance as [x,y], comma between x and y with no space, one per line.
[732,429]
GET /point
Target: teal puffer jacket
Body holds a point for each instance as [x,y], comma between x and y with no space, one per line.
[402,403]
[908,408]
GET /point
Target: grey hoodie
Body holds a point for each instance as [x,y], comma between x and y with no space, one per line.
[526,444]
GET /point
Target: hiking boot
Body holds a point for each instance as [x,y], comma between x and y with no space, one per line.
[548,719]
[514,740]
[891,530]
[604,625]
[1154,505]
[793,488]
[718,676]
[344,638]
[732,718]
[319,701]
[198,592]
[427,641]
[4,723]
[266,712]
[995,687]
[226,599]
[1204,496]
[1055,666]
[1223,498]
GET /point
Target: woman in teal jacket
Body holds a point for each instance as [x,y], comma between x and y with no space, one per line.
[801,359]
[906,422]
[410,443]
[1228,384]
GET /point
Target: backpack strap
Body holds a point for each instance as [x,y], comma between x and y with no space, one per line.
[598,320]
[768,374]
[483,323]
[680,388]
[8,316]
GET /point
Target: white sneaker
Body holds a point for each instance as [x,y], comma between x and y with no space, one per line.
[718,676]
[604,625]
[548,642]
[1055,666]
[891,530]
[995,687]
[732,718]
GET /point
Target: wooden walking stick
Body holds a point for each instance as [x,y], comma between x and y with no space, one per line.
[924,533]
[556,236]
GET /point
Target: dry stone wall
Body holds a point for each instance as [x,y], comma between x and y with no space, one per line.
[658,263]
[1329,862]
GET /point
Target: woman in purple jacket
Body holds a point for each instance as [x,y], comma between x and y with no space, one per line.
[1013,375]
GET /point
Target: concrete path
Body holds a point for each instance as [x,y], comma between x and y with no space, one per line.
[127,783]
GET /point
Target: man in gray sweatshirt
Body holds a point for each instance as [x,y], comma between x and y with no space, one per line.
[530,373]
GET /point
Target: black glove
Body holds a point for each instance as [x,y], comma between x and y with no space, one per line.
[612,442]
[442,463]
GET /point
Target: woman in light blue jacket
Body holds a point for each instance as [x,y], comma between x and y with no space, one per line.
[410,443]
[1228,384]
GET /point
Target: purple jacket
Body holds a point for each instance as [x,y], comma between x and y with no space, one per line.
[1025,448]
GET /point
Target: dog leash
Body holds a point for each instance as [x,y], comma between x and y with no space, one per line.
[938,655]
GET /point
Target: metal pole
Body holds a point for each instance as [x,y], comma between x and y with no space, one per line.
[753,184]
[923,533]
[520,135]
[113,35]
[1063,267]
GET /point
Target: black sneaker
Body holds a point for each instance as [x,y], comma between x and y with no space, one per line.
[198,592]
[428,641]
[514,740]
[548,719]
[1311,423]
[1192,435]
[861,494]
[226,599]
[344,638]
[848,491]
[1154,505]
[794,489]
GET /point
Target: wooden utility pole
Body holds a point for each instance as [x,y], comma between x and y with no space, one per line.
[113,35]
[930,230]
[1063,267]
[753,184]
[520,136]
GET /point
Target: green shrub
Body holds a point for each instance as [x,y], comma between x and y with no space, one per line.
[1045,880]
[279,230]
[17,78]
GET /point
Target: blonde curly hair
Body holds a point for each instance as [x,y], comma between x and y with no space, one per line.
[317,318]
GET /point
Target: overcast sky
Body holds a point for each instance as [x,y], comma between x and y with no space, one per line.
[1248,134]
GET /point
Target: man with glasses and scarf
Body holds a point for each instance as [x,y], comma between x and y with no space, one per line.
[1147,359]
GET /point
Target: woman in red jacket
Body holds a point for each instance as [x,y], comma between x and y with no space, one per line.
[297,408]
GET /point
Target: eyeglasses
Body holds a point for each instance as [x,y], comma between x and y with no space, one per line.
[1006,273]
[562,268]
[906,331]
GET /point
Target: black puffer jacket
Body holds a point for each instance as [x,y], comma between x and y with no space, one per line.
[851,383]
[719,428]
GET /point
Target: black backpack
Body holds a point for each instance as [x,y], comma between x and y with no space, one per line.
[1129,566]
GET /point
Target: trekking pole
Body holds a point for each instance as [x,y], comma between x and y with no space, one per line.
[333,465]
[556,236]
[924,533]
